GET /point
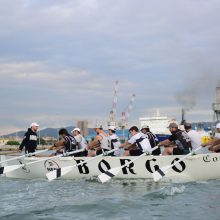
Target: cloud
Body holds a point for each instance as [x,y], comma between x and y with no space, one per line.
[62,58]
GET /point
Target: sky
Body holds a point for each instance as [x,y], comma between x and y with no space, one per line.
[59,60]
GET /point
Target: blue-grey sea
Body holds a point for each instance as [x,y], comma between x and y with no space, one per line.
[116,199]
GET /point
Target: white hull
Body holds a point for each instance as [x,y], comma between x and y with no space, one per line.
[199,167]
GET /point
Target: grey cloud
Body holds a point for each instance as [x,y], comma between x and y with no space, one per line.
[61,53]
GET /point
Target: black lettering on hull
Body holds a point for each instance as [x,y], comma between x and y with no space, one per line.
[182,164]
[148,165]
[127,169]
[106,164]
[83,168]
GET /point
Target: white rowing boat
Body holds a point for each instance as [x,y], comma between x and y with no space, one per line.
[199,167]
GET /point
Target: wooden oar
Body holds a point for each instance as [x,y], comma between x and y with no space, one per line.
[161,172]
[107,175]
[8,169]
[64,170]
[25,155]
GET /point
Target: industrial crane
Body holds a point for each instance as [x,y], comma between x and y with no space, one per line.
[112,115]
[126,114]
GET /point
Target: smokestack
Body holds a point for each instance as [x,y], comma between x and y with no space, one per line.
[183,117]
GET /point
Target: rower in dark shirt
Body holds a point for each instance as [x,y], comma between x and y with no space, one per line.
[178,143]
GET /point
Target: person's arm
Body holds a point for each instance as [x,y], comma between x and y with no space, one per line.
[58,145]
[128,144]
[95,143]
[211,142]
[23,143]
[124,144]
[216,147]
[215,143]
[165,143]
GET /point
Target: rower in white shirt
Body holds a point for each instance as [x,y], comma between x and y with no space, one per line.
[194,136]
[137,144]
[114,141]
[81,142]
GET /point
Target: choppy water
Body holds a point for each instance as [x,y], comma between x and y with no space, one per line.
[124,200]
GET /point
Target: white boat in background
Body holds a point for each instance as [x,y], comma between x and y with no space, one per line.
[158,124]
[199,167]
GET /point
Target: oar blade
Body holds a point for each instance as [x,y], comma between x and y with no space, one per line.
[8,169]
[160,173]
[107,175]
[58,172]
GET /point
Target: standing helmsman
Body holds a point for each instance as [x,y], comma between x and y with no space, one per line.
[30,139]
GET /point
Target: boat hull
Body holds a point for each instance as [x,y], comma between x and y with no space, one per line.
[199,167]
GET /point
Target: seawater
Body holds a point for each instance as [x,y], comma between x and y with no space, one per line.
[116,199]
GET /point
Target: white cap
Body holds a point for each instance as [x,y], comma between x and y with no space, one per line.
[97,125]
[218,125]
[113,128]
[144,126]
[34,124]
[76,129]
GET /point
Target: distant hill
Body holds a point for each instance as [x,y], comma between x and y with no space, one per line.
[51,132]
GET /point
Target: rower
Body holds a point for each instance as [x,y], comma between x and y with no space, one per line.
[114,141]
[214,143]
[137,144]
[178,143]
[67,142]
[194,136]
[152,138]
[81,142]
[100,144]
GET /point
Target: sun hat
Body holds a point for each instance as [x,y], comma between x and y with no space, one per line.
[218,125]
[34,124]
[76,129]
[97,126]
[173,125]
[113,128]
[144,127]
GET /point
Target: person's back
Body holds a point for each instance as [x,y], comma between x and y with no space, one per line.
[114,141]
[178,143]
[182,141]
[141,140]
[69,143]
[153,142]
[104,142]
[81,143]
[100,144]
[194,136]
[152,139]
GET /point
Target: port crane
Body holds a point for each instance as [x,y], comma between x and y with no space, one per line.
[124,115]
[112,114]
